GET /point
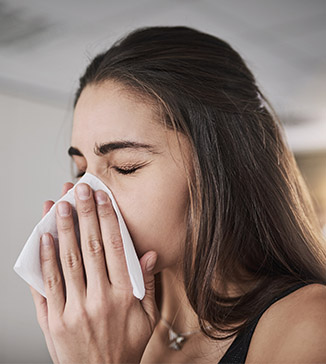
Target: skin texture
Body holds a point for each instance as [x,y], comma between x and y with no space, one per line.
[292,330]
[102,321]
[153,200]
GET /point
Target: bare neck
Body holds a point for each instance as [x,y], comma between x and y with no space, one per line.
[176,309]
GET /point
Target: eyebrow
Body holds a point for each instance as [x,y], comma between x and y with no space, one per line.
[106,148]
[74,151]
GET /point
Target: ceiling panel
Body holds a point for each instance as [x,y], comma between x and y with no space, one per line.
[264,14]
[45,45]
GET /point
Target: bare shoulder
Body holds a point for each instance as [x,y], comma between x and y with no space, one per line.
[292,330]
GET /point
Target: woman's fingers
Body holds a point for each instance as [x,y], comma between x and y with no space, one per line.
[42,318]
[91,239]
[41,308]
[112,241]
[47,206]
[51,275]
[53,283]
[70,255]
[147,263]
[66,187]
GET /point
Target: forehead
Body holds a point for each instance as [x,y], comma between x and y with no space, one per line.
[109,112]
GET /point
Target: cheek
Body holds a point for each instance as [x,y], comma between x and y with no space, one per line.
[157,221]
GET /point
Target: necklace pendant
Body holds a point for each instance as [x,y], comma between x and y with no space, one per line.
[176,340]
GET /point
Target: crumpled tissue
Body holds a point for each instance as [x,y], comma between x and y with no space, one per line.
[28,263]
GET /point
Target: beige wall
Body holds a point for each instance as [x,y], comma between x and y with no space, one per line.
[313,168]
[34,164]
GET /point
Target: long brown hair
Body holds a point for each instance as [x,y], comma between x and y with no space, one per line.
[250,221]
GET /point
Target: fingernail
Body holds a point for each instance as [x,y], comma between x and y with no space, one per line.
[151,263]
[46,241]
[101,197]
[64,209]
[83,192]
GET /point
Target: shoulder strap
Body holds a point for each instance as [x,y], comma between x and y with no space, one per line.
[237,352]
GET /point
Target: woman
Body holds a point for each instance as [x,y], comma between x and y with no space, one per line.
[172,121]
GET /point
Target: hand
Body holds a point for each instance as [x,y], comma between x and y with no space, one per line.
[99,320]
[39,300]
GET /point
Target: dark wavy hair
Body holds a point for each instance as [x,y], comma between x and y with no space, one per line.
[251,224]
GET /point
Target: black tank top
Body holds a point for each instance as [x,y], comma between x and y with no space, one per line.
[237,352]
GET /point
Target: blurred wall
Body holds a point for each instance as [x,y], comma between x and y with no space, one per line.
[33,142]
[313,168]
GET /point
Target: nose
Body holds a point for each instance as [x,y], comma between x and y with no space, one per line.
[93,172]
[93,169]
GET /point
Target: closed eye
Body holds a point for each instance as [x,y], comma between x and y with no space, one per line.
[123,171]
[126,171]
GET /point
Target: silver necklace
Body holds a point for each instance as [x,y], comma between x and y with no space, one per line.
[176,340]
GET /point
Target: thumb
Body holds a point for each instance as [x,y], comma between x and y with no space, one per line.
[147,263]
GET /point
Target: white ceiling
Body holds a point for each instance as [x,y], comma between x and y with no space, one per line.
[46,44]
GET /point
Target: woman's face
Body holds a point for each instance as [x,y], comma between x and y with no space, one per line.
[153,199]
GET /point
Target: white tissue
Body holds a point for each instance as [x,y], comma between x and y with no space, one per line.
[28,263]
